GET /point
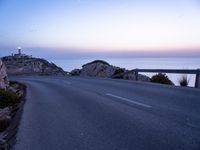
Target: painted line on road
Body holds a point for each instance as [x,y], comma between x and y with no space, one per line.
[128,100]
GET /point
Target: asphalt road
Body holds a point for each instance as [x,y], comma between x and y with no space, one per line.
[72,113]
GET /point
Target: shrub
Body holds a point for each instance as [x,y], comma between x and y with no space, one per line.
[161,78]
[184,81]
[75,72]
[119,73]
[16,85]
[8,98]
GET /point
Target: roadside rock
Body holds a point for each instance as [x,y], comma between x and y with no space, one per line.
[98,68]
[3,76]
[11,104]
[16,88]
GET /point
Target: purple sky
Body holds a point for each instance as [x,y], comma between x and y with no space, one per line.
[72,28]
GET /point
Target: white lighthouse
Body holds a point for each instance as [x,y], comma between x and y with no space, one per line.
[19,51]
[20,55]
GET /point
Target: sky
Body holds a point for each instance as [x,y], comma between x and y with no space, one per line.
[100,27]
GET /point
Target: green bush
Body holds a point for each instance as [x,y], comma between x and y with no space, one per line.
[161,78]
[8,98]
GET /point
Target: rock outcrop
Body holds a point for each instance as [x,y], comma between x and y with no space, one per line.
[19,65]
[3,76]
[100,68]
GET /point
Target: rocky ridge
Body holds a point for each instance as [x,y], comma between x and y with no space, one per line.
[19,65]
[100,68]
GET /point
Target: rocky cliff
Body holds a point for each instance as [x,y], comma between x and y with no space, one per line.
[100,68]
[3,76]
[29,65]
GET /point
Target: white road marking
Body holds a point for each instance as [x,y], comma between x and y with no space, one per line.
[128,100]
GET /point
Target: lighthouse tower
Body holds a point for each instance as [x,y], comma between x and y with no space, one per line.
[20,55]
[19,51]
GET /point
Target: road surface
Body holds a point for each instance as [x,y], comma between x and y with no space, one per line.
[73,113]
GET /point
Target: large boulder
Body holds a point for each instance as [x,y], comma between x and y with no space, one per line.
[3,76]
[98,68]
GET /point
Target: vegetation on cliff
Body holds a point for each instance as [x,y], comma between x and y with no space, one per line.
[161,78]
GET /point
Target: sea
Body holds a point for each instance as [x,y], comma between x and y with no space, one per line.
[140,63]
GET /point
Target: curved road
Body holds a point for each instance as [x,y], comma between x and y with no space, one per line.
[72,113]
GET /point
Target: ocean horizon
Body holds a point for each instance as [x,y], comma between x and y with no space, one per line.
[140,63]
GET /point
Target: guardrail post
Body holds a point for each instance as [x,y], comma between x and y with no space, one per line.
[136,74]
[197,82]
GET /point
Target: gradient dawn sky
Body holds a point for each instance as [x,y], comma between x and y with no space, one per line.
[98,26]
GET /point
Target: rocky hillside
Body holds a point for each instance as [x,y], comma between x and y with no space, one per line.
[28,65]
[100,68]
[3,76]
